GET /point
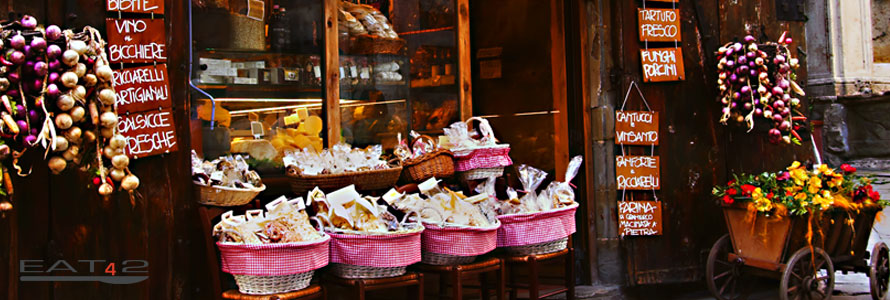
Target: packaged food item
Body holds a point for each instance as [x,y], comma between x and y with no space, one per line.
[561,194]
[228,171]
[440,206]
[347,210]
[284,222]
[338,159]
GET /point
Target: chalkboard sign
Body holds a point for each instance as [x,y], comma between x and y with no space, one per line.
[662,64]
[136,40]
[636,127]
[659,25]
[142,88]
[135,6]
[637,172]
[149,133]
[638,218]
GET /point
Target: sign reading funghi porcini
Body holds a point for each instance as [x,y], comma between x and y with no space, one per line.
[639,218]
[637,172]
[636,127]
[662,64]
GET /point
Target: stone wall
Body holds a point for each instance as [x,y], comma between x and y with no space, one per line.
[857,131]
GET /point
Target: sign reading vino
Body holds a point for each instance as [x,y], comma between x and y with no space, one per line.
[662,64]
[135,6]
[142,88]
[659,25]
[136,40]
[636,127]
[636,218]
[637,172]
[149,133]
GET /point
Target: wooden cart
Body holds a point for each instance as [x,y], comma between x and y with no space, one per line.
[777,248]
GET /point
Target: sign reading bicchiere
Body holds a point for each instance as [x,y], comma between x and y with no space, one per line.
[149,133]
[136,40]
[135,6]
[662,64]
[142,88]
[637,172]
[636,127]
[639,218]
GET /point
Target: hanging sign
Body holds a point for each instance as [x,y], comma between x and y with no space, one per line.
[142,88]
[135,6]
[636,127]
[659,24]
[136,40]
[149,133]
[639,218]
[662,64]
[637,172]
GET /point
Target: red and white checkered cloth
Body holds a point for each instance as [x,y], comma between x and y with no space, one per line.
[459,241]
[483,158]
[387,250]
[274,259]
[528,229]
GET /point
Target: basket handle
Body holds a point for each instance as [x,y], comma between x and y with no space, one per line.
[405,218]
[321,220]
[420,139]
[441,224]
[254,213]
[318,225]
[484,128]
[227,215]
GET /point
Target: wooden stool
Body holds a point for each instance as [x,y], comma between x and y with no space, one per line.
[531,261]
[312,292]
[455,274]
[412,280]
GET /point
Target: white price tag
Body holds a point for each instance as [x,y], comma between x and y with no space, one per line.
[317,70]
[366,73]
[353,71]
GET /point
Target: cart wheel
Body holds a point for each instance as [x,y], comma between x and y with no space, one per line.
[807,276]
[724,276]
[879,271]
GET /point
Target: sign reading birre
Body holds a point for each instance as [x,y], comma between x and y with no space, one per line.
[639,218]
[662,64]
[142,88]
[149,133]
[136,40]
[635,172]
[636,127]
[135,6]
[659,25]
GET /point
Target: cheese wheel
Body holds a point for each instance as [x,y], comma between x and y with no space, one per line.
[313,125]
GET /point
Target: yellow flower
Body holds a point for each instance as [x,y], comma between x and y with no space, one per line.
[824,200]
[836,180]
[814,185]
[794,165]
[763,205]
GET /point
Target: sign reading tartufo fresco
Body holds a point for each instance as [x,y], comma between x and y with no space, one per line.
[659,25]
[636,127]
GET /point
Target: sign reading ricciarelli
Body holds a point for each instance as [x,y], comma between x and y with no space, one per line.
[637,172]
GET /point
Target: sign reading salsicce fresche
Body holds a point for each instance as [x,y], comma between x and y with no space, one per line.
[149,133]
[135,6]
[136,40]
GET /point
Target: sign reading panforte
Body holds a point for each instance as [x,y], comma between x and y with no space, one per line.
[662,64]
[637,172]
[142,88]
[639,218]
[136,40]
[659,25]
[149,133]
[135,6]
[636,127]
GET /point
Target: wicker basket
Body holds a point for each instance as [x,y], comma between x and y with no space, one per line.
[263,285]
[364,180]
[540,248]
[439,164]
[482,173]
[431,258]
[226,196]
[369,44]
[354,271]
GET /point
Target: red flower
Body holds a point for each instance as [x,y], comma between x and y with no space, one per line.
[727,199]
[874,195]
[788,193]
[747,189]
[848,169]
[770,195]
[731,182]
[732,191]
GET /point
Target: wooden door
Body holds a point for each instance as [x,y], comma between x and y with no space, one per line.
[696,151]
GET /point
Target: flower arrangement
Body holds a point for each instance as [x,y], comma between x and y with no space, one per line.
[799,190]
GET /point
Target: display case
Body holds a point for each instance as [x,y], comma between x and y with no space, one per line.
[277,75]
